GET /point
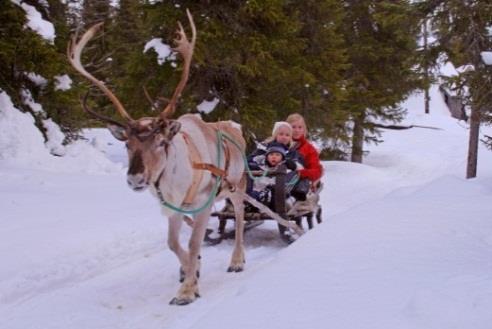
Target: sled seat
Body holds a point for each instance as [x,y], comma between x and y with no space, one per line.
[287,208]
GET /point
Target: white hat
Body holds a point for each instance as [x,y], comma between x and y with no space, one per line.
[280,124]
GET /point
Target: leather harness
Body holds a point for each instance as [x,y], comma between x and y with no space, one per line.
[199,166]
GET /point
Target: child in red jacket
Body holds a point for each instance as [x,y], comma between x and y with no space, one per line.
[313,170]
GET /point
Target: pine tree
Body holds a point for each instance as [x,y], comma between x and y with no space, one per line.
[463,32]
[23,52]
[324,60]
[381,38]
[131,68]
[263,60]
[250,61]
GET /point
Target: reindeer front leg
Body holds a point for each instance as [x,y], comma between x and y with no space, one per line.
[175,222]
[237,259]
[189,291]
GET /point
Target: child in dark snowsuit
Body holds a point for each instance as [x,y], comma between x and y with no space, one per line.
[261,188]
[282,137]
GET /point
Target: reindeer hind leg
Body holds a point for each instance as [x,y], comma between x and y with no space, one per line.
[238,259]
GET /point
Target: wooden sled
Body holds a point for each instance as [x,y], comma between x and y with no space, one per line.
[289,215]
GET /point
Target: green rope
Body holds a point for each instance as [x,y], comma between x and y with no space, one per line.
[245,159]
[293,181]
[220,138]
[212,195]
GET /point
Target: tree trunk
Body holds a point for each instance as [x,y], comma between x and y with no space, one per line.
[358,138]
[426,73]
[471,168]
[426,99]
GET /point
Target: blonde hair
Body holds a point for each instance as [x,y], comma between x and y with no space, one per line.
[294,117]
[276,129]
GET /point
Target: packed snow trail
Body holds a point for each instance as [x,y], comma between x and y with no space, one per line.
[405,243]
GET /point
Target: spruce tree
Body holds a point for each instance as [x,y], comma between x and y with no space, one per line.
[131,69]
[463,33]
[324,60]
[382,43]
[24,53]
[263,60]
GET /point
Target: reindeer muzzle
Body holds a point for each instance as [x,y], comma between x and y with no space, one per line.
[137,182]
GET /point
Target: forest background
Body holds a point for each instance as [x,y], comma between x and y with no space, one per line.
[345,65]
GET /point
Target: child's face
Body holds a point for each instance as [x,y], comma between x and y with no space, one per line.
[284,136]
[298,129]
[274,158]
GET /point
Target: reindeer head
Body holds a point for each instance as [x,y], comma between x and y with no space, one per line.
[148,138]
[147,141]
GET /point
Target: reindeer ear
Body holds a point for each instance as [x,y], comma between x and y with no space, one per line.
[171,129]
[118,132]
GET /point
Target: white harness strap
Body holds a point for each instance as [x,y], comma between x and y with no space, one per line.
[199,167]
[194,156]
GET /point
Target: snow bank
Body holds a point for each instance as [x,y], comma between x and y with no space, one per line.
[19,138]
[415,106]
[22,145]
[55,138]
[413,260]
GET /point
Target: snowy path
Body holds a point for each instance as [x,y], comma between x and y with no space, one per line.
[104,263]
[86,244]
[80,238]
[406,243]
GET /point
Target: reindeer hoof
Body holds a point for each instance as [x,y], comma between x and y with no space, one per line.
[235,269]
[180,301]
[184,300]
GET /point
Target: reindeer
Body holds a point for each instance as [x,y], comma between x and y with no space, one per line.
[177,161]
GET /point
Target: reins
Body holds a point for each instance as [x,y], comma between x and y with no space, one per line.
[211,197]
[221,136]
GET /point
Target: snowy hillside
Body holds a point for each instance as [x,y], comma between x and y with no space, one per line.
[406,242]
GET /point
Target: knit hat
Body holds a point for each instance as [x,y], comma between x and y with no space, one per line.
[280,124]
[276,149]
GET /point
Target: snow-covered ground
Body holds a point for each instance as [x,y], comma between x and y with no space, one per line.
[406,242]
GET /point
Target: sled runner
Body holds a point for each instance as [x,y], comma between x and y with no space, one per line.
[288,209]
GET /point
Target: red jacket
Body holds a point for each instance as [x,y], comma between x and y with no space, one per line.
[312,166]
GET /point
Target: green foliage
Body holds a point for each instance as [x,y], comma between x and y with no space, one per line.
[382,48]
[328,60]
[463,31]
[23,51]
[261,59]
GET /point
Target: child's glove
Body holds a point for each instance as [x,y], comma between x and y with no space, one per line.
[265,196]
[290,164]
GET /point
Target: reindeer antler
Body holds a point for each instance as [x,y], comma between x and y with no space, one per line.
[185,48]
[154,103]
[74,50]
[97,115]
